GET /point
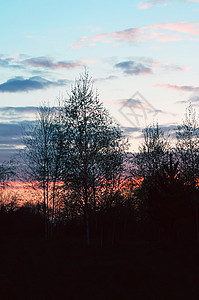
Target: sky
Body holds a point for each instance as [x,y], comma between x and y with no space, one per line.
[141,55]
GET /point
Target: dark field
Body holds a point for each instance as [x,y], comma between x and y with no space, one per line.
[32,268]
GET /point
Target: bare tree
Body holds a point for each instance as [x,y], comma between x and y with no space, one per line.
[42,155]
[187,147]
[7,171]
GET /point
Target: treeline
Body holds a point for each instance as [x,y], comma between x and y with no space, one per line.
[91,185]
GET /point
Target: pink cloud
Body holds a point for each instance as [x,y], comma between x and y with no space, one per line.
[169,67]
[168,32]
[186,88]
[79,43]
[147,4]
[149,33]
[182,27]
[129,35]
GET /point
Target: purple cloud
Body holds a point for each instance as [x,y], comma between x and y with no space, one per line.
[47,62]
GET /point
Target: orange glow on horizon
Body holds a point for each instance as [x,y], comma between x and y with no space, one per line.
[32,192]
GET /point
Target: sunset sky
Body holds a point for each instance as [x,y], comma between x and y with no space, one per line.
[142,55]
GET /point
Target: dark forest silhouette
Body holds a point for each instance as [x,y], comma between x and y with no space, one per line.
[99,198]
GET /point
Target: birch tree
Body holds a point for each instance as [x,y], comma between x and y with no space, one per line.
[91,137]
[42,155]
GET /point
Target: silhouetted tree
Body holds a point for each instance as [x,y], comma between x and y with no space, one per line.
[7,171]
[188,147]
[158,190]
[153,152]
[91,137]
[42,154]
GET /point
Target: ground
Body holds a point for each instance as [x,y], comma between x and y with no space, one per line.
[32,268]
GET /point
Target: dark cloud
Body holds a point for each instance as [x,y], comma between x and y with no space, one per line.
[20,84]
[9,130]
[7,154]
[10,138]
[131,67]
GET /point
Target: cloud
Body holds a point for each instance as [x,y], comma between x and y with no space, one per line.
[191,28]
[111,77]
[37,62]
[17,109]
[132,103]
[130,129]
[194,99]
[10,139]
[47,62]
[128,35]
[160,111]
[147,65]
[9,62]
[10,114]
[147,4]
[4,62]
[9,131]
[160,32]
[186,88]
[172,67]
[133,68]
[20,84]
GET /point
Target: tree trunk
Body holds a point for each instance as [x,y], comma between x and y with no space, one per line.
[87,216]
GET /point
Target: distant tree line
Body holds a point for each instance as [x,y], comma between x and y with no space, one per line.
[78,156]
[169,193]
